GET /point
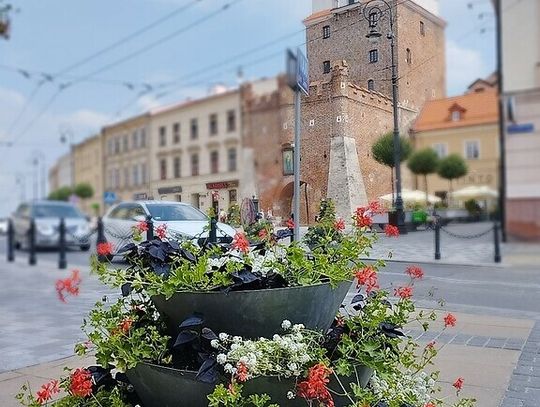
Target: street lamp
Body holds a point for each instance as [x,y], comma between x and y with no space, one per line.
[373,11]
[66,136]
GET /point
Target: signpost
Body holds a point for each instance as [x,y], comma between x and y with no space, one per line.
[298,78]
[109,197]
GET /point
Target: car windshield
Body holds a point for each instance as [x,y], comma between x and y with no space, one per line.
[56,211]
[168,213]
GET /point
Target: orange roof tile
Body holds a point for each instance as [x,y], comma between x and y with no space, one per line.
[476,108]
[318,14]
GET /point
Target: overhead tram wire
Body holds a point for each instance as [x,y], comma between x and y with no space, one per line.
[89,58]
[132,55]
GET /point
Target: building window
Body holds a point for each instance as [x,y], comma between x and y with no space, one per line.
[371,85]
[116,178]
[373,17]
[326,67]
[213,124]
[422,29]
[326,32]
[117,145]
[110,147]
[194,129]
[231,120]
[440,149]
[176,133]
[177,168]
[135,139]
[136,180]
[231,159]
[456,116]
[126,177]
[214,162]
[472,149]
[194,164]
[232,196]
[142,138]
[178,197]
[373,56]
[162,136]
[163,169]
[125,142]
[144,176]
[409,56]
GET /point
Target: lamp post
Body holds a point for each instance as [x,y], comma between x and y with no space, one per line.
[373,11]
[66,136]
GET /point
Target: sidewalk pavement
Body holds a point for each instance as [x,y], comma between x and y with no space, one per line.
[486,354]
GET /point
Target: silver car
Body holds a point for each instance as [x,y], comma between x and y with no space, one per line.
[47,215]
[3,226]
[183,221]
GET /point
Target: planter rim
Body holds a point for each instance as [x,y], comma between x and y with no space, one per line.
[248,291]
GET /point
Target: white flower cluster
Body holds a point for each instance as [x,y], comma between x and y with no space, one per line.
[263,264]
[284,355]
[405,386]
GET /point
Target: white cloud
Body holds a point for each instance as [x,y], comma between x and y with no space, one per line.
[463,66]
[148,102]
[86,119]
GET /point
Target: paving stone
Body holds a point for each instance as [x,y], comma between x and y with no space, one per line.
[496,343]
[477,341]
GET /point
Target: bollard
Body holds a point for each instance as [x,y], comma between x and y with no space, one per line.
[150,227]
[213,230]
[100,237]
[497,242]
[291,231]
[62,263]
[10,241]
[32,243]
[437,240]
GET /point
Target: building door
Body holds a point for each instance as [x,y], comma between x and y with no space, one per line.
[195,200]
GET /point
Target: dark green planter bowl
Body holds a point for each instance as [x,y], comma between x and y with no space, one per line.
[159,386]
[256,313]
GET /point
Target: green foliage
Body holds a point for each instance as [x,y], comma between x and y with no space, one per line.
[95,207]
[452,167]
[84,190]
[123,336]
[472,207]
[61,194]
[325,225]
[252,231]
[383,149]
[233,215]
[233,397]
[423,162]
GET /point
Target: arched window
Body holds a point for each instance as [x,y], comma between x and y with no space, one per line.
[409,57]
[371,85]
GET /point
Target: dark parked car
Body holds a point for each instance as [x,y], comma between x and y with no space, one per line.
[47,215]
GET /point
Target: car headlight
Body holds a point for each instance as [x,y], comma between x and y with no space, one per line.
[46,230]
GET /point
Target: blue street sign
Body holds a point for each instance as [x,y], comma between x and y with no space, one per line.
[109,197]
[520,128]
[302,72]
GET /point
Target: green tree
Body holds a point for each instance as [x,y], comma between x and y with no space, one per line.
[452,167]
[84,190]
[61,194]
[383,152]
[424,162]
[95,207]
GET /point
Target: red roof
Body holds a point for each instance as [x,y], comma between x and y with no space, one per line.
[475,109]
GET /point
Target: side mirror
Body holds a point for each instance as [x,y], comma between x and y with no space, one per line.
[139,218]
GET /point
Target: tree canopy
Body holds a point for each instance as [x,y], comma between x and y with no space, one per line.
[383,149]
[84,190]
[61,194]
[452,167]
[423,162]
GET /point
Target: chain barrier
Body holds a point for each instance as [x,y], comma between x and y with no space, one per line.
[460,236]
[83,237]
[116,235]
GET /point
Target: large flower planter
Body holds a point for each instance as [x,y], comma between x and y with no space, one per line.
[256,313]
[159,386]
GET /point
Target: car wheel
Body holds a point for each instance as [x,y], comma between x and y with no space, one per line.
[84,247]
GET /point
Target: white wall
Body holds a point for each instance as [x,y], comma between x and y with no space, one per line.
[521,44]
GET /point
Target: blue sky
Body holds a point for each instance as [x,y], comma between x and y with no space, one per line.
[49,36]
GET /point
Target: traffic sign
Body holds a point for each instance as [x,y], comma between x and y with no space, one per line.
[109,197]
[302,72]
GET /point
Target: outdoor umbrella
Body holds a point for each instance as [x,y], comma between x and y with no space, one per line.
[410,196]
[482,192]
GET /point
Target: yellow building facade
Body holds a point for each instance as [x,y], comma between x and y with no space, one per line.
[465,125]
[88,168]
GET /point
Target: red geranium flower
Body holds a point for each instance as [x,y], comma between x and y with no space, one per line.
[80,383]
[314,388]
[415,272]
[391,231]
[142,226]
[403,292]
[376,208]
[241,372]
[47,391]
[161,231]
[290,223]
[263,234]
[363,217]
[430,345]
[458,384]
[367,277]
[430,404]
[104,249]
[125,325]
[339,225]
[69,285]
[450,320]
[240,243]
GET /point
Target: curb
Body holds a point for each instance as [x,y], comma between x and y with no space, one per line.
[439,262]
